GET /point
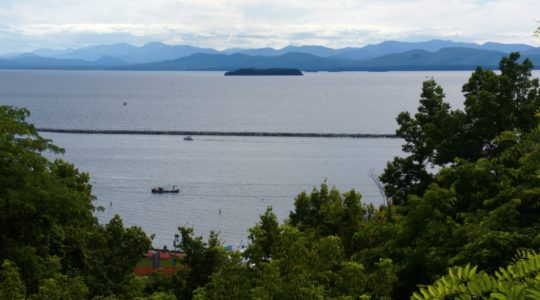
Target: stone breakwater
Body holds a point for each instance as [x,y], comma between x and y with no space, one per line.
[222,133]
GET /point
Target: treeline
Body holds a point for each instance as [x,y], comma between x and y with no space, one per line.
[467,194]
[51,245]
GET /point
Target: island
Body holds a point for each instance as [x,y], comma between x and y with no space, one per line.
[265,72]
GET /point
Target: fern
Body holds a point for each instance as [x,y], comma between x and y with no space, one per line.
[519,280]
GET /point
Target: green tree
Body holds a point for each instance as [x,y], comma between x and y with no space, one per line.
[61,287]
[45,206]
[478,212]
[263,237]
[11,285]
[201,260]
[328,212]
[437,135]
[233,280]
[113,251]
[47,227]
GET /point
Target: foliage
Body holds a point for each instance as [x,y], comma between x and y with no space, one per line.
[263,237]
[12,287]
[61,287]
[479,205]
[47,229]
[113,251]
[437,136]
[286,262]
[519,280]
[201,260]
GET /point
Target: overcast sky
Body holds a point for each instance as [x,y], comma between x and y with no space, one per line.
[31,24]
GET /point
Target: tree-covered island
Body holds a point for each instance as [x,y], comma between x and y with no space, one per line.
[460,220]
[265,72]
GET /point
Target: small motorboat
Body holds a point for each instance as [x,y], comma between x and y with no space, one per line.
[162,190]
[188,138]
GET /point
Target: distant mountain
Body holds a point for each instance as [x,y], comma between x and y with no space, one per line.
[153,52]
[236,61]
[29,61]
[456,58]
[156,52]
[313,50]
[95,52]
[10,55]
[109,61]
[506,48]
[254,52]
[47,52]
[377,50]
[150,52]
[444,59]
[391,47]
[532,51]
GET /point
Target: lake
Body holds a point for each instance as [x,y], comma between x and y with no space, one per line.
[239,176]
[348,102]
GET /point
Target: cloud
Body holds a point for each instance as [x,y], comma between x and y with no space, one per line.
[258,23]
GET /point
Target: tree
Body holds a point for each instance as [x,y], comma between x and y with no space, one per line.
[295,264]
[437,136]
[61,287]
[201,260]
[47,227]
[328,212]
[263,237]
[43,204]
[232,280]
[112,253]
[11,286]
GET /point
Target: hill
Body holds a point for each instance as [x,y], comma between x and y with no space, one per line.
[444,59]
[456,58]
[150,52]
[391,47]
[222,62]
[155,51]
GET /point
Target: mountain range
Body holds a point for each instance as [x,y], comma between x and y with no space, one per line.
[389,55]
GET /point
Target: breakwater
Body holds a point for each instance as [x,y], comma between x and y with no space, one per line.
[221,133]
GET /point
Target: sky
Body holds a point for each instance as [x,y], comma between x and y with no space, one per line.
[26,25]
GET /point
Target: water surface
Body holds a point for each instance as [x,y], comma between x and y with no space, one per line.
[240,176]
[347,102]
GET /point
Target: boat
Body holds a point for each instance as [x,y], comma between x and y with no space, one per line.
[188,138]
[162,190]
